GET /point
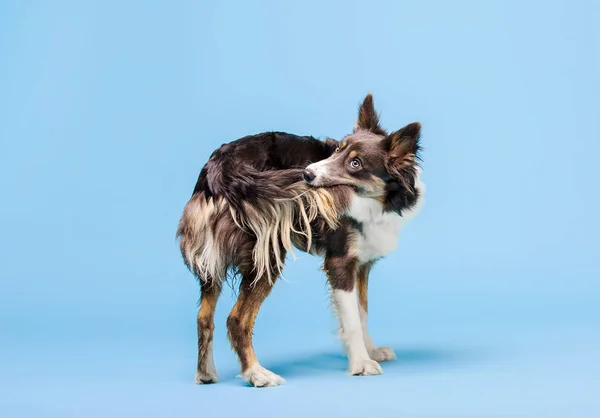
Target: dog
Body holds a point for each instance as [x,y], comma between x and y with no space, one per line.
[262,196]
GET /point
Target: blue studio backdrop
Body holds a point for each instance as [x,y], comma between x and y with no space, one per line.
[109,110]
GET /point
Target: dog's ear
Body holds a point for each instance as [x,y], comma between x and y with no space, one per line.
[368,118]
[403,147]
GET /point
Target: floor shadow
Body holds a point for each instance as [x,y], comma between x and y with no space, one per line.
[418,358]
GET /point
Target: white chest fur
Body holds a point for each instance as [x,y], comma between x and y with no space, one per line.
[380,230]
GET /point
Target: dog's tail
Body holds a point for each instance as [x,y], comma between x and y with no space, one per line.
[272,206]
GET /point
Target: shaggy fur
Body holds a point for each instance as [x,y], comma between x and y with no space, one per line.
[261,196]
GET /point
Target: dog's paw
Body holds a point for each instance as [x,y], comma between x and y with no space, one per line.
[381,354]
[365,368]
[206,377]
[260,377]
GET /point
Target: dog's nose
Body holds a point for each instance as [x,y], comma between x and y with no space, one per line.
[309,175]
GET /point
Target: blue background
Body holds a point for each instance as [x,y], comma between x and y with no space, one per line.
[109,110]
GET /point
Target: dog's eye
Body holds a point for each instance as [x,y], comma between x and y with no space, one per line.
[355,163]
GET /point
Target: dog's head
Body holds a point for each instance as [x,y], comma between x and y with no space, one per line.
[371,161]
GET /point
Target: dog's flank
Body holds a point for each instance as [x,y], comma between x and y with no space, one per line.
[260,197]
[282,217]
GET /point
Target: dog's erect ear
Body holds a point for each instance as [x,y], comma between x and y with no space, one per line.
[368,118]
[403,146]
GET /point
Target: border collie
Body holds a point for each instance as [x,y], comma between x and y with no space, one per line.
[261,196]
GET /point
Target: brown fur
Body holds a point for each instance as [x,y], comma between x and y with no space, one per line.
[210,294]
[242,317]
[362,280]
[368,119]
[266,231]
[250,208]
[263,227]
[341,272]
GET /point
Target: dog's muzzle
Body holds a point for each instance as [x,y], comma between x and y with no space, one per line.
[308,175]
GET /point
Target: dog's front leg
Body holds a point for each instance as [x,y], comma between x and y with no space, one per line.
[342,275]
[379,354]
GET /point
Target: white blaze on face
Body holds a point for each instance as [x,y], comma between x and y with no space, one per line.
[321,170]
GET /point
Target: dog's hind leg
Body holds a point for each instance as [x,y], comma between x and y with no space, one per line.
[378,354]
[206,371]
[240,324]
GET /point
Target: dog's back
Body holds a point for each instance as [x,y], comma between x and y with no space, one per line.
[258,166]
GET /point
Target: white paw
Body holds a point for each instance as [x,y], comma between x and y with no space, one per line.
[382,354]
[260,377]
[365,368]
[206,377]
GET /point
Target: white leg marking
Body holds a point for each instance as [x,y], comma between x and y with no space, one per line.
[260,377]
[378,354]
[210,376]
[346,304]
